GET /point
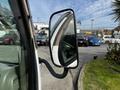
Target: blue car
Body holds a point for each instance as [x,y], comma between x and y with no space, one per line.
[94,41]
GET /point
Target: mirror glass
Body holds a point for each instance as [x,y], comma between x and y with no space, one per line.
[63,39]
[67,47]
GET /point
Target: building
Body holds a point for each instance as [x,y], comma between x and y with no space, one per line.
[41,27]
[78,27]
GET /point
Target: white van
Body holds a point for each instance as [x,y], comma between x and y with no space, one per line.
[110,39]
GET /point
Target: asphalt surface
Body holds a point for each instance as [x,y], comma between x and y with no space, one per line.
[86,54]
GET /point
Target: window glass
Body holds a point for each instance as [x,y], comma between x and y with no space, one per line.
[10,50]
[9,36]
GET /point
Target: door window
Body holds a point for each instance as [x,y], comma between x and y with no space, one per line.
[12,67]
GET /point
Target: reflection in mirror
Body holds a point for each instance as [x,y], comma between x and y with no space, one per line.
[67,49]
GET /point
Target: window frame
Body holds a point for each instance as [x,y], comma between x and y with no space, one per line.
[24,25]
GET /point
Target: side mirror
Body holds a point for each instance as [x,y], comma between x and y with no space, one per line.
[62,37]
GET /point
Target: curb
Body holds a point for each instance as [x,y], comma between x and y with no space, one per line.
[80,80]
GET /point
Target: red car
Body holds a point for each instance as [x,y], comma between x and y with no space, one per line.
[9,38]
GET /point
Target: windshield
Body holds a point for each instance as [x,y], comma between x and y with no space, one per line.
[94,38]
[42,36]
[93,18]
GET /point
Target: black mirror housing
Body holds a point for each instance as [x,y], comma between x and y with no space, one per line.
[62,39]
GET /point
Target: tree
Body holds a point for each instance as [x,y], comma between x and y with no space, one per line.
[116,10]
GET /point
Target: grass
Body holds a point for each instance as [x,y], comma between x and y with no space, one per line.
[99,75]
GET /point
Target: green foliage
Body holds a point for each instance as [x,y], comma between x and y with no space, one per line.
[113,54]
[116,10]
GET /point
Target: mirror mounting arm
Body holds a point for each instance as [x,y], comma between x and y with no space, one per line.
[60,76]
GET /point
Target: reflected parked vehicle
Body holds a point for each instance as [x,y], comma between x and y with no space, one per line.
[82,40]
[94,41]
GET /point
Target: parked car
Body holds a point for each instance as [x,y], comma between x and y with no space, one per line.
[110,39]
[82,40]
[107,39]
[94,41]
[41,39]
[9,37]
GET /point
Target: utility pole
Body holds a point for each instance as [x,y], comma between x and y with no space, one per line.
[92,20]
[78,26]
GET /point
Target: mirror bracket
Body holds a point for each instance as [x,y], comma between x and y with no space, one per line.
[60,76]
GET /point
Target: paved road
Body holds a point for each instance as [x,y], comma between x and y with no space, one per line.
[87,53]
[51,83]
[48,81]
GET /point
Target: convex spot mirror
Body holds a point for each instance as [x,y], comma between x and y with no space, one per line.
[62,37]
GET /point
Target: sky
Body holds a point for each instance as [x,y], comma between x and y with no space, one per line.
[85,11]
